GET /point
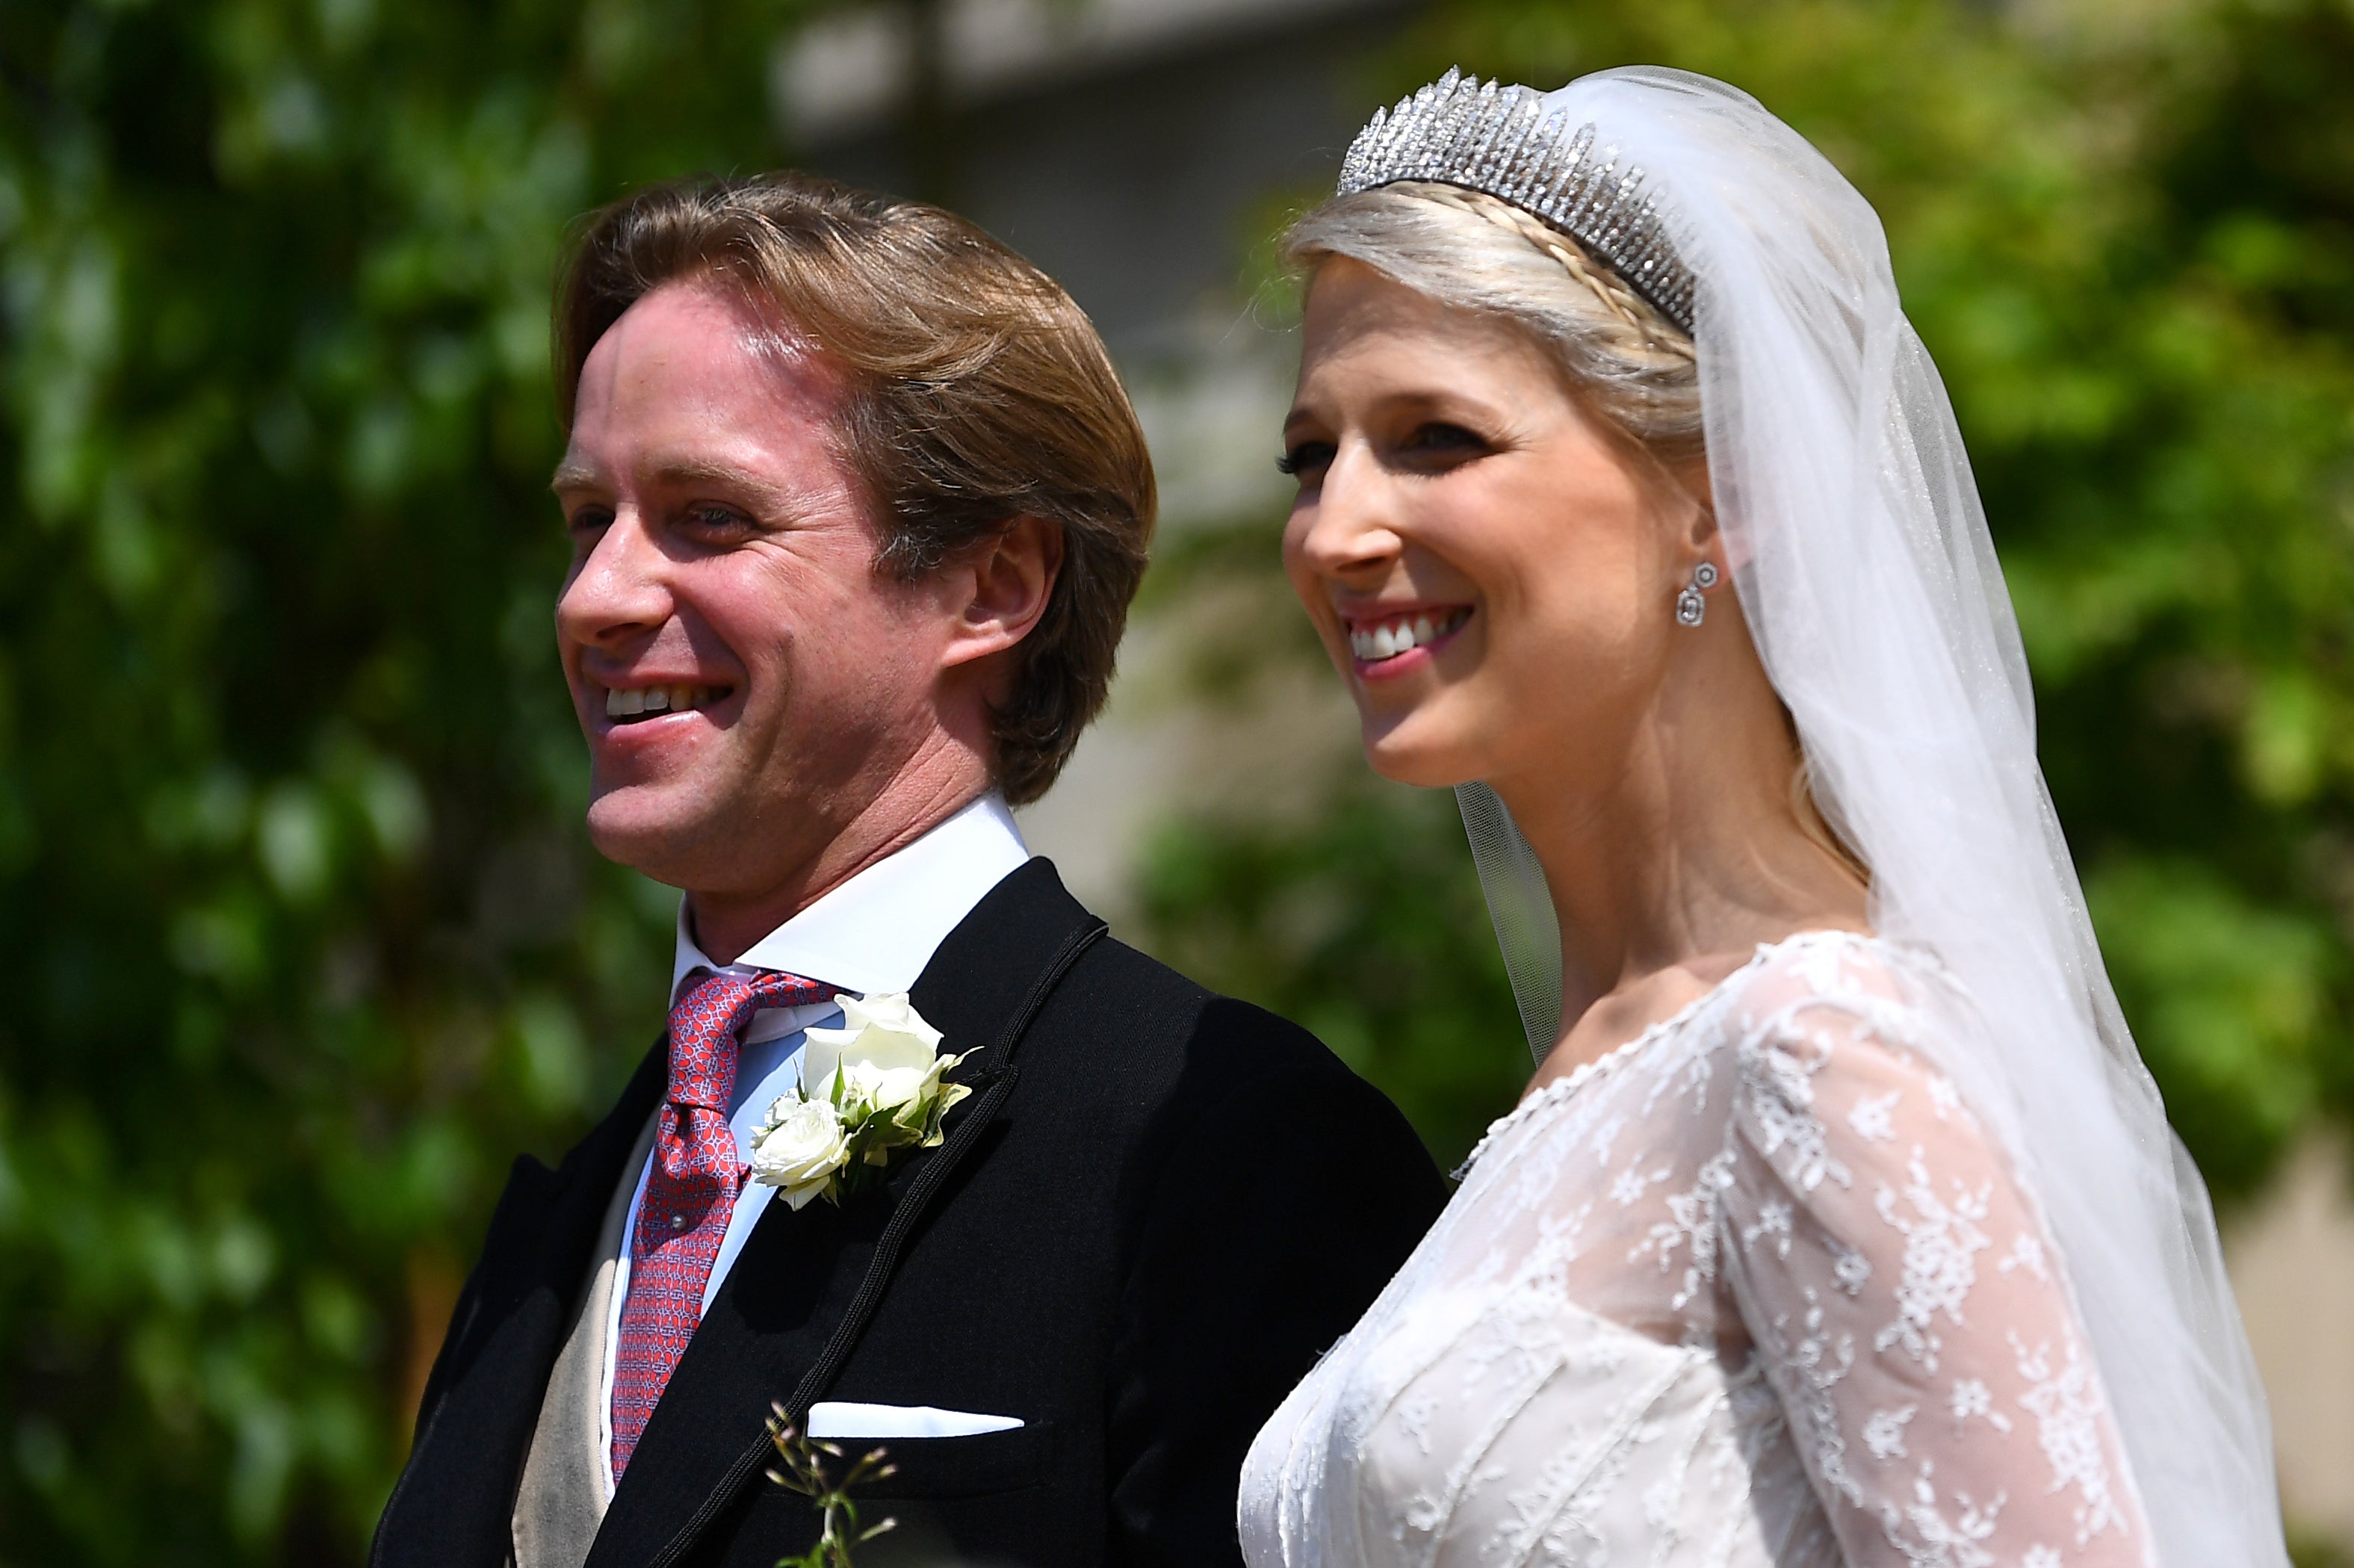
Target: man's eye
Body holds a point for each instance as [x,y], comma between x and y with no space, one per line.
[1305,458]
[716,519]
[589,520]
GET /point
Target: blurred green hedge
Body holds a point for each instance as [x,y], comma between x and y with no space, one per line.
[303,940]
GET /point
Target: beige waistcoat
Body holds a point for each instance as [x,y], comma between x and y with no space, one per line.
[562,1499]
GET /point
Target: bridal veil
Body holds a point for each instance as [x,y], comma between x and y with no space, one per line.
[1864,566]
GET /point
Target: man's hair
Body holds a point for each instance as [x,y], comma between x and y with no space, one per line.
[976,392]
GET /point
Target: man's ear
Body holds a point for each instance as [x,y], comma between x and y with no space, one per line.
[1011,577]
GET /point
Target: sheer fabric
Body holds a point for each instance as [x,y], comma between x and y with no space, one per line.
[1756,1289]
[1867,575]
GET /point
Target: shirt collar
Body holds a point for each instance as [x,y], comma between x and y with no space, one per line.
[874,933]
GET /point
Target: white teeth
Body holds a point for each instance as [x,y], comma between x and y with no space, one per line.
[631,702]
[1389,641]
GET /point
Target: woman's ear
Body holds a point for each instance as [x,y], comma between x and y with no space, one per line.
[1011,580]
[1685,505]
[1706,536]
[1701,535]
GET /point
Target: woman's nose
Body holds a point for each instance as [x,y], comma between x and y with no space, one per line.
[1348,528]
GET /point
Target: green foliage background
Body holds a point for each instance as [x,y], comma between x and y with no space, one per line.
[302,940]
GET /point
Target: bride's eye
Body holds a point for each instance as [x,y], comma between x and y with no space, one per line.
[1443,442]
[1305,459]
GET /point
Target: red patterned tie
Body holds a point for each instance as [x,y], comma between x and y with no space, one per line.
[690,1191]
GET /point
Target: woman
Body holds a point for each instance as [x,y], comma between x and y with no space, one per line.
[1841,1223]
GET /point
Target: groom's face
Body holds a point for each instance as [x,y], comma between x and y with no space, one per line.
[747,678]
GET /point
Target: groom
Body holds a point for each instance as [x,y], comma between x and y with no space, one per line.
[857,506]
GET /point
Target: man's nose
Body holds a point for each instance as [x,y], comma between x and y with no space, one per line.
[619,589]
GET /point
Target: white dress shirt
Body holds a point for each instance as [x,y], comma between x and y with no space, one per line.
[873,935]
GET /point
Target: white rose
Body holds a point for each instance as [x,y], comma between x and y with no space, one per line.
[882,1033]
[799,1148]
[885,1088]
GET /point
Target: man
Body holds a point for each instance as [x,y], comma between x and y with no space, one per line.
[857,506]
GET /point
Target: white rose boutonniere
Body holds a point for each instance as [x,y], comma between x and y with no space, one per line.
[799,1148]
[873,1085]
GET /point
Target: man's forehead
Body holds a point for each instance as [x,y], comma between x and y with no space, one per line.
[706,314]
[688,337]
[692,384]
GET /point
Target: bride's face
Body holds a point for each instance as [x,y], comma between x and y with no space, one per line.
[1492,573]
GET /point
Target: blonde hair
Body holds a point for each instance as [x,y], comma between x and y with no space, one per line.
[1626,361]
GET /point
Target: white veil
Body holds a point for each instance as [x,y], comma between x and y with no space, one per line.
[1864,566]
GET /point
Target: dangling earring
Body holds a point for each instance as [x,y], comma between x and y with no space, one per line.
[1691,609]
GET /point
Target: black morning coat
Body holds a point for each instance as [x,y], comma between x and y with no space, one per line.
[1158,1208]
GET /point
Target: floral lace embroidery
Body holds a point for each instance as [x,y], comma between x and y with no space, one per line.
[2067,1412]
[1941,1242]
[1756,1290]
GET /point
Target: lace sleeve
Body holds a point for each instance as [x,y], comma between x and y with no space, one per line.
[1909,1310]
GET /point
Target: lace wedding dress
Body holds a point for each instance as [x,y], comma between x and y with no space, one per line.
[1755,1288]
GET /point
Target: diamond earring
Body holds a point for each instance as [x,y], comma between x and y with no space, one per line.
[1691,609]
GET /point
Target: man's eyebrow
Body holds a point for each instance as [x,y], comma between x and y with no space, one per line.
[573,474]
[683,470]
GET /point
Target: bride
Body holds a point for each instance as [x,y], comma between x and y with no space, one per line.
[1841,1223]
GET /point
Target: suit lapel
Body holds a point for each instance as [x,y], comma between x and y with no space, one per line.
[456,1496]
[802,1288]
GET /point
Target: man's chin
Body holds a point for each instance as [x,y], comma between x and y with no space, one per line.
[664,840]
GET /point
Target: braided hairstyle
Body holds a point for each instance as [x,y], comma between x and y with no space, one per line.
[1626,362]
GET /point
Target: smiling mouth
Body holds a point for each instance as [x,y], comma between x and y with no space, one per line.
[1377,641]
[635,705]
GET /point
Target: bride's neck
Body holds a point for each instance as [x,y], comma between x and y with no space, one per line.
[1671,862]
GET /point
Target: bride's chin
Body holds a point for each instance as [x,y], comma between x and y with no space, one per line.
[1424,761]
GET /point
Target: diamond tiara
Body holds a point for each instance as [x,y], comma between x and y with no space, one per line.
[1488,137]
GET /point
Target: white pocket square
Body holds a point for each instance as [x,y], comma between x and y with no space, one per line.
[847,1418]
